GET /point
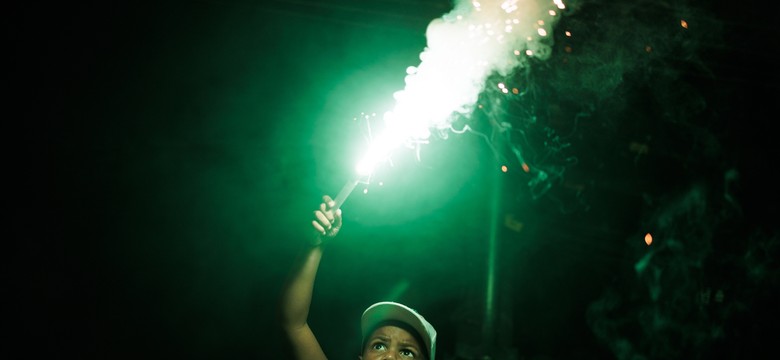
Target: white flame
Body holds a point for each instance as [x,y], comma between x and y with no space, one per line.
[464,47]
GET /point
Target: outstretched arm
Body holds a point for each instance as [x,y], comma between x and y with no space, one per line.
[296,298]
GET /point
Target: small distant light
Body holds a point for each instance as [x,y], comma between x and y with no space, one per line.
[526,168]
[719,296]
[501,85]
[684,24]
[517,52]
[529,52]
[648,239]
[542,32]
[515,91]
[551,12]
[504,168]
[365,191]
[648,48]
[568,33]
[381,183]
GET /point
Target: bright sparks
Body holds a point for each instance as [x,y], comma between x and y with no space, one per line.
[464,47]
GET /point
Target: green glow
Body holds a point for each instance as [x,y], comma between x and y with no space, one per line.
[398,290]
[490,290]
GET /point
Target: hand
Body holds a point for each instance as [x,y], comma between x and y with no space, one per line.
[327,222]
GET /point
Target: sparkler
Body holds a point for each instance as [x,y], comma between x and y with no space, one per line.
[465,46]
[345,191]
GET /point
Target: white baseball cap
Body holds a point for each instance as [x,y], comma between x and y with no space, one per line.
[388,311]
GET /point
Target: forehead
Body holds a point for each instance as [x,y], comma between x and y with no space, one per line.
[394,333]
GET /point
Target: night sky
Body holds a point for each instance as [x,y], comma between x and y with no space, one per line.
[173,153]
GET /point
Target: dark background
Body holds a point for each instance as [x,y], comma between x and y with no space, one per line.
[170,155]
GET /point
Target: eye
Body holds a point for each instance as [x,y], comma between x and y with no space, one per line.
[378,346]
[408,353]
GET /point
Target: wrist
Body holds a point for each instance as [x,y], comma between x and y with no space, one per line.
[316,240]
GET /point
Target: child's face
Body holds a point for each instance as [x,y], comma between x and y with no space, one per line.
[391,342]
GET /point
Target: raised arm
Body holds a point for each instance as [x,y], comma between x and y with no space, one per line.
[296,297]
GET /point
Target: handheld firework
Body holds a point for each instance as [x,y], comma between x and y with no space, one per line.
[464,47]
[345,191]
[379,149]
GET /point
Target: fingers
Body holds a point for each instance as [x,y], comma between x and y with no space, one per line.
[317,226]
[327,212]
[327,200]
[326,220]
[323,219]
[327,208]
[337,219]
